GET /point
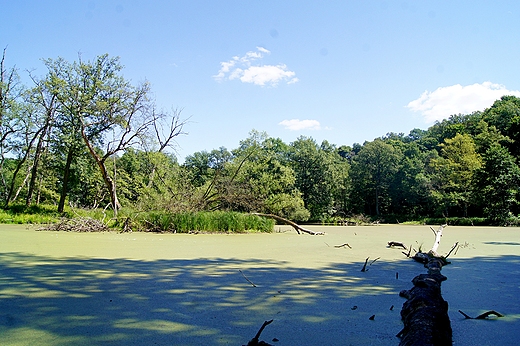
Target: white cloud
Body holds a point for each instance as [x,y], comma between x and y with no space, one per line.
[455,99]
[297,124]
[242,68]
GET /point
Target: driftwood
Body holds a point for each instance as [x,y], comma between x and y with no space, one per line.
[297,227]
[425,313]
[255,341]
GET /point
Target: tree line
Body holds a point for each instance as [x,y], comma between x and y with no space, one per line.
[84,135]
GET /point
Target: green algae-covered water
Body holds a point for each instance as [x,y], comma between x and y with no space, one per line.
[178,289]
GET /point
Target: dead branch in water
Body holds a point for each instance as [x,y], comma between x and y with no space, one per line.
[397,244]
[343,245]
[297,227]
[482,316]
[364,269]
[245,277]
[254,341]
[453,248]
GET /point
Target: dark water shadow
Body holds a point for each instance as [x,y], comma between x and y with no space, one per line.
[93,301]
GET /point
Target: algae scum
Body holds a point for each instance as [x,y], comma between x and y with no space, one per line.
[165,289]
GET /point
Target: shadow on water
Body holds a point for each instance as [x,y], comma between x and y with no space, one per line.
[186,302]
[50,301]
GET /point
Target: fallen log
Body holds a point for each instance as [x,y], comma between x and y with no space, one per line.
[297,227]
[425,312]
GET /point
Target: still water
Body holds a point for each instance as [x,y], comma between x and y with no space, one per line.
[165,289]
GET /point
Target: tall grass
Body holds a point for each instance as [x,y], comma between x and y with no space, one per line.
[216,221]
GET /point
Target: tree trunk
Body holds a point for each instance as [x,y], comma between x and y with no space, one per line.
[109,182]
[36,163]
[66,175]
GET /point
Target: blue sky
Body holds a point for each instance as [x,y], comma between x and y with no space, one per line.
[342,71]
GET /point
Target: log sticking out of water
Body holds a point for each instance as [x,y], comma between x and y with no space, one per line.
[297,227]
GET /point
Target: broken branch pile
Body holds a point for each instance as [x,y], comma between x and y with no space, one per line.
[81,224]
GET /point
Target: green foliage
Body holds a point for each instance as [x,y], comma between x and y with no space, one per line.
[373,170]
[453,173]
[312,168]
[497,185]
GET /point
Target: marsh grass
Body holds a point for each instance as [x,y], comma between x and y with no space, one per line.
[215,221]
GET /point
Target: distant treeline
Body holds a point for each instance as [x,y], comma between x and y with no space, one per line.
[83,135]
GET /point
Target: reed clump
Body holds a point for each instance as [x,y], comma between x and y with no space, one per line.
[204,222]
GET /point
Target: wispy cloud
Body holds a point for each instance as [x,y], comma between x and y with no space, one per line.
[455,99]
[247,70]
[297,124]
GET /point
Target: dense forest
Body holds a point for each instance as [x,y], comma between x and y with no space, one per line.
[82,135]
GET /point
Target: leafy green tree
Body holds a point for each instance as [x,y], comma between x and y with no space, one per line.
[203,165]
[497,184]
[504,115]
[103,109]
[373,170]
[454,171]
[409,190]
[313,176]
[338,161]
[256,179]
